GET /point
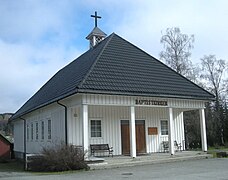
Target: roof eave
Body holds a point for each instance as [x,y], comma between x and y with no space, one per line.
[145,94]
[15,116]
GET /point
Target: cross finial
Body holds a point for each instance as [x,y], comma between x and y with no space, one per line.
[95,17]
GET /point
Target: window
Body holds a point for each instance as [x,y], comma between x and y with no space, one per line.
[31,131]
[42,130]
[164,127]
[49,129]
[95,128]
[37,130]
[27,132]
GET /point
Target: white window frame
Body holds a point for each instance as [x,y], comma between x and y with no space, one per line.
[161,127]
[37,130]
[90,129]
[27,126]
[49,129]
[32,129]
[42,130]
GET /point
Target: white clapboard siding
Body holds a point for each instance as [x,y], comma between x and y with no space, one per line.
[111,131]
[110,110]
[19,136]
[179,127]
[111,117]
[56,114]
[75,126]
[152,117]
[96,99]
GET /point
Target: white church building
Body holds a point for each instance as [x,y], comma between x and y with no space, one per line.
[116,94]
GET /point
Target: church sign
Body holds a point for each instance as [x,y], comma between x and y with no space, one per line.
[150,102]
[152,131]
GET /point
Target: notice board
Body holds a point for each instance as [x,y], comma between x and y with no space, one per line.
[152,130]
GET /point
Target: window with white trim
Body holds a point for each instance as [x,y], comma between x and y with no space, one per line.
[27,132]
[164,127]
[95,128]
[37,131]
[49,129]
[31,131]
[42,130]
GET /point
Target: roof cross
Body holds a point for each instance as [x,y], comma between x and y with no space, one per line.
[95,17]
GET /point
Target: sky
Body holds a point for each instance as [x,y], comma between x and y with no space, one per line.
[37,38]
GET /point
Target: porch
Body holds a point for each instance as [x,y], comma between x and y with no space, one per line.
[153,158]
[131,125]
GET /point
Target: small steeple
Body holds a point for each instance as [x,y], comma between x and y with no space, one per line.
[96,34]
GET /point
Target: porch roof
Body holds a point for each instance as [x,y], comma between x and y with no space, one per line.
[117,67]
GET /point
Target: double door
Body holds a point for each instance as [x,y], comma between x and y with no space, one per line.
[140,137]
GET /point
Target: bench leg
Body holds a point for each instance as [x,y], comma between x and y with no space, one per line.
[110,153]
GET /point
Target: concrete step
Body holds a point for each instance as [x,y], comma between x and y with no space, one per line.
[107,164]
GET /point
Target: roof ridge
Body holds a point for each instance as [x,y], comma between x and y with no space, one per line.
[95,62]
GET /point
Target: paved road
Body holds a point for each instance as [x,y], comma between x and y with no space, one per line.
[194,169]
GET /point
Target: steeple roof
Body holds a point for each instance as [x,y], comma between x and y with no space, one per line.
[96,32]
[115,67]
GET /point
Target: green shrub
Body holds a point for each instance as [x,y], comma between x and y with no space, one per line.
[59,158]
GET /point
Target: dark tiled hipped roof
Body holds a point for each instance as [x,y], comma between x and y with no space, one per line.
[115,66]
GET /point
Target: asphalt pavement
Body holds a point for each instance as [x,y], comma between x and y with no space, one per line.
[192,169]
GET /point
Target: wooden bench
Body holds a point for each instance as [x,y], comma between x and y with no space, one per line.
[101,148]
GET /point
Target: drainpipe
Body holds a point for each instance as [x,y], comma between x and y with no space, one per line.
[25,166]
[65,120]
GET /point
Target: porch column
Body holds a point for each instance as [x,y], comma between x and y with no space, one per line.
[203,130]
[132,133]
[85,129]
[171,132]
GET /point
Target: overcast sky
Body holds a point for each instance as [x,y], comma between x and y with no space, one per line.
[37,38]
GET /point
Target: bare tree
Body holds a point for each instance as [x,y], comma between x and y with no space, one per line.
[213,76]
[176,52]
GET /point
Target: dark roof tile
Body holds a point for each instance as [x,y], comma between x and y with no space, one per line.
[114,66]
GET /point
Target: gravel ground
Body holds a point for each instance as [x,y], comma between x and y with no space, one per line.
[194,169]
